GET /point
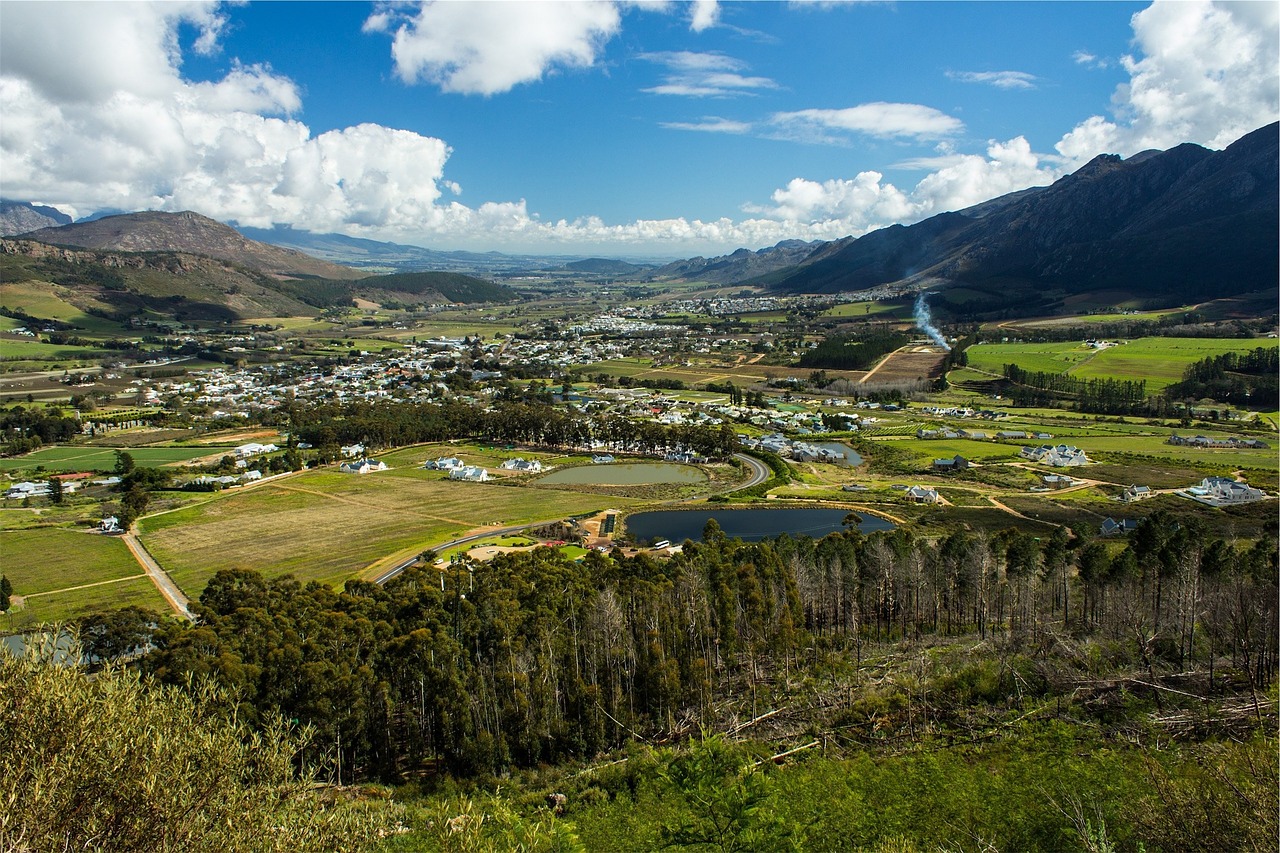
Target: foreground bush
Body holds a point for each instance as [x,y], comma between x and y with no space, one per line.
[101,762]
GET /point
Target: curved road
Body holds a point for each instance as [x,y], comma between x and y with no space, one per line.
[759,473]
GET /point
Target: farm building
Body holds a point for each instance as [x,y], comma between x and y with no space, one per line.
[470,473]
[362,466]
[1222,491]
[524,466]
[1059,456]
[922,495]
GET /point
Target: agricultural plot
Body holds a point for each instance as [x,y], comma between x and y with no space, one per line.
[63,458]
[854,310]
[68,573]
[1058,357]
[327,526]
[47,301]
[909,365]
[1158,361]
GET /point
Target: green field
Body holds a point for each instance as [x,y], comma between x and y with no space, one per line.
[862,309]
[32,350]
[63,458]
[1159,361]
[329,526]
[46,563]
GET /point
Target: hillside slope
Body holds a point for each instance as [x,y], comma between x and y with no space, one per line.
[1184,224]
[190,233]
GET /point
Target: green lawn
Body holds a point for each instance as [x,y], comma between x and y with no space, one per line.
[1159,361]
[66,458]
[41,561]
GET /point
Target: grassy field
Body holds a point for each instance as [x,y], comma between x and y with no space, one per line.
[1159,361]
[328,526]
[47,301]
[62,458]
[48,563]
[863,309]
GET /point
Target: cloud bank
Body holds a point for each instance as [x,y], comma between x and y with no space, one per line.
[113,123]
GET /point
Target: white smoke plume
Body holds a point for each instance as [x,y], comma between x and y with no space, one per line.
[925,322]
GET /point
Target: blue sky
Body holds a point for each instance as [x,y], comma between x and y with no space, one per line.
[622,129]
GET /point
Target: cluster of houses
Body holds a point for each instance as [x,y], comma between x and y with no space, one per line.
[459,470]
[1059,456]
[226,480]
[981,435]
[1207,442]
[43,489]
[788,448]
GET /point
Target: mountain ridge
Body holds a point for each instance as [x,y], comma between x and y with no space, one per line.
[1180,223]
[190,233]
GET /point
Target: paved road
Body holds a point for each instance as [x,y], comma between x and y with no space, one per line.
[453,543]
[759,471]
[163,582]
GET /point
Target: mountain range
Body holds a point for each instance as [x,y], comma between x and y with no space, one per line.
[1185,224]
[1182,225]
[195,269]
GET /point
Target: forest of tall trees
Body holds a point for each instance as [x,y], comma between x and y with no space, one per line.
[531,659]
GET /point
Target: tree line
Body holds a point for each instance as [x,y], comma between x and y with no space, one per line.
[853,352]
[512,422]
[530,659]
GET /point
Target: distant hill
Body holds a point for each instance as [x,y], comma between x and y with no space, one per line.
[417,287]
[200,289]
[740,266]
[189,233]
[604,266]
[120,285]
[1182,225]
[377,255]
[19,217]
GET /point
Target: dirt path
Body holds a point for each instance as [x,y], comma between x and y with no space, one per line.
[172,594]
[882,363]
[84,586]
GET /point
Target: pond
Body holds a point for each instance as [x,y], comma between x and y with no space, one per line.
[852,458]
[750,525]
[625,474]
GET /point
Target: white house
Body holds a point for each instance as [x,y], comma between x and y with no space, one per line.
[524,466]
[1223,491]
[362,466]
[1060,456]
[445,463]
[922,495]
[470,473]
[253,448]
[352,450]
[601,458]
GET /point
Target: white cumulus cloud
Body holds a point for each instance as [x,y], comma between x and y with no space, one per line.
[492,47]
[1205,73]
